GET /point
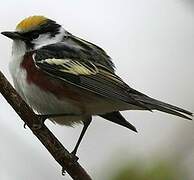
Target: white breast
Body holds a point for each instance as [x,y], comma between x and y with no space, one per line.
[40,101]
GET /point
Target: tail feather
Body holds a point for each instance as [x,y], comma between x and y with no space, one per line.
[169,111]
[162,106]
[117,118]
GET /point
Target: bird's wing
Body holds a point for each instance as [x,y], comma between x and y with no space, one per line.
[87,66]
[84,68]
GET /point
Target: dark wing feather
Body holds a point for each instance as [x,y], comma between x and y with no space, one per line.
[87,66]
[75,65]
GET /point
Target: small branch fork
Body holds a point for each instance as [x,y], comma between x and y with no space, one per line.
[51,143]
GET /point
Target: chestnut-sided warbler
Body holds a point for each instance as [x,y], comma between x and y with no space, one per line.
[70,79]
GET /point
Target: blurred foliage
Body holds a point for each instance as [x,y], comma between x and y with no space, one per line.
[158,171]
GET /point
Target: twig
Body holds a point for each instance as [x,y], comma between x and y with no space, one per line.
[51,143]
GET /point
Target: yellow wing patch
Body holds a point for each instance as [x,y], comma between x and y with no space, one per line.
[72,66]
[31,23]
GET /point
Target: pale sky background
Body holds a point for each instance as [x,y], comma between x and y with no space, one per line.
[152,45]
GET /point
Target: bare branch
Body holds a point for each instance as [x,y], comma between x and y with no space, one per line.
[51,143]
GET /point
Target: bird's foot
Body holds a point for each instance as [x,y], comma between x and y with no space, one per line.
[74,158]
[39,125]
[63,171]
[36,125]
[25,124]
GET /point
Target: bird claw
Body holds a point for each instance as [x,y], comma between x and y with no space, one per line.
[25,124]
[75,159]
[37,126]
[63,171]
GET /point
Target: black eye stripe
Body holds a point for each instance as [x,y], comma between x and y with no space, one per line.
[31,35]
[34,35]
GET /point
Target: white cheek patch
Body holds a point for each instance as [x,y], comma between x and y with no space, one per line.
[46,39]
[42,40]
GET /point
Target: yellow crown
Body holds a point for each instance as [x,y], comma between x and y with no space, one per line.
[31,23]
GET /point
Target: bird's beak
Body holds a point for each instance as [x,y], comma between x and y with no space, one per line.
[13,35]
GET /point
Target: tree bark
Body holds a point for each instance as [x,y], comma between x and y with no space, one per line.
[51,143]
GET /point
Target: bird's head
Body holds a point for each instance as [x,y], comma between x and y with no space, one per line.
[36,31]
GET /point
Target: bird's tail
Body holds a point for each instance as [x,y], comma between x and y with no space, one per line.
[154,104]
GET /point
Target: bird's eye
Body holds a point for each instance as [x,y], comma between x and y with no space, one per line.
[35,35]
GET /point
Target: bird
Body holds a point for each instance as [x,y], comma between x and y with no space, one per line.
[69,80]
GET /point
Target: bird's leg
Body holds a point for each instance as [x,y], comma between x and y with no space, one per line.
[86,124]
[37,126]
